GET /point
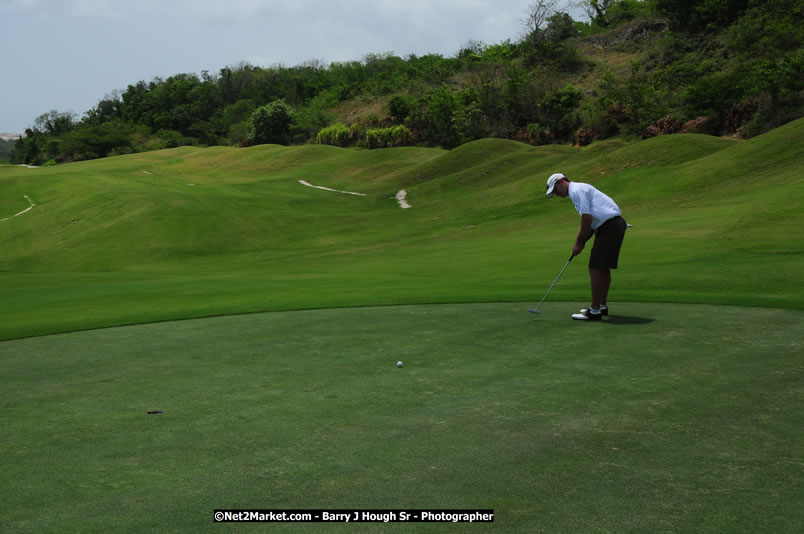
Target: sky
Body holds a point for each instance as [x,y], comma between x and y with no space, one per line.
[67,55]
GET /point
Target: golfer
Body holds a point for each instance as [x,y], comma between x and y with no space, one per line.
[600,216]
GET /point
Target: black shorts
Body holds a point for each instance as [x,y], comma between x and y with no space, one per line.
[608,240]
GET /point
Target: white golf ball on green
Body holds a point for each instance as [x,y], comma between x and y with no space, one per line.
[399,363]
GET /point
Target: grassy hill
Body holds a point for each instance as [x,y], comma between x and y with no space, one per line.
[194,232]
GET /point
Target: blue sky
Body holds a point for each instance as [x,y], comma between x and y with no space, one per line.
[68,54]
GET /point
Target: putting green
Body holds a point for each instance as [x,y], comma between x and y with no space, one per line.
[662,418]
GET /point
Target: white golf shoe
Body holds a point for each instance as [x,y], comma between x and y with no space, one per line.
[587,315]
[604,311]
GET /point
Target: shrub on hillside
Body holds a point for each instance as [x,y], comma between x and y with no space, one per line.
[433,114]
[772,113]
[668,125]
[561,56]
[399,108]
[650,131]
[540,135]
[471,123]
[238,133]
[596,116]
[631,103]
[584,136]
[617,113]
[557,112]
[378,138]
[718,95]
[336,135]
[521,135]
[664,126]
[388,137]
[401,135]
[697,125]
[625,10]
[739,114]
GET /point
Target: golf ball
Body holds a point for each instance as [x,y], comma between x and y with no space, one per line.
[399,364]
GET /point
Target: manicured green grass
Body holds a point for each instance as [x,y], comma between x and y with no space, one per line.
[681,418]
[200,232]
[680,413]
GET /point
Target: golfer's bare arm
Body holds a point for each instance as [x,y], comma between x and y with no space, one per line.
[583,234]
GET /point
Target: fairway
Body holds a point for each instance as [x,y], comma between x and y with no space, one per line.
[189,232]
[661,418]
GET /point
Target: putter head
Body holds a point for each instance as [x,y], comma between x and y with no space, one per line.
[535,310]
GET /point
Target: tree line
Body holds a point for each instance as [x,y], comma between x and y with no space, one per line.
[713,66]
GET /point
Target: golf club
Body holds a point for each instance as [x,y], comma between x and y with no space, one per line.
[536,309]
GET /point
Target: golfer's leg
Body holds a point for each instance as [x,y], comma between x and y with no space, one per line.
[606,284]
[601,280]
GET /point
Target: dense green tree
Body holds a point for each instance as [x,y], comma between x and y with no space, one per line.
[546,44]
[271,124]
[97,141]
[557,111]
[597,10]
[471,123]
[106,109]
[399,108]
[433,116]
[29,148]
[55,123]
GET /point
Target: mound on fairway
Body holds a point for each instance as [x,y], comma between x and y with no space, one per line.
[200,232]
[683,418]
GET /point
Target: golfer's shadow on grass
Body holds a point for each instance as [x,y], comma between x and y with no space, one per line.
[626,320]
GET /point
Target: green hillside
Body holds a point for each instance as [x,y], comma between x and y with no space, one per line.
[193,232]
[677,413]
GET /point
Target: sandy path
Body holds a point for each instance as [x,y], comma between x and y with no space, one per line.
[26,210]
[400,196]
[308,184]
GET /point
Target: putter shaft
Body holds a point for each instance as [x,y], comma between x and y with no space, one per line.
[536,309]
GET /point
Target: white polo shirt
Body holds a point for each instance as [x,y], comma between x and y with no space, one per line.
[589,201]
